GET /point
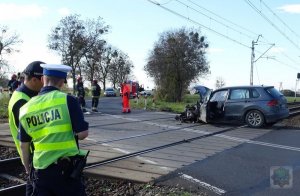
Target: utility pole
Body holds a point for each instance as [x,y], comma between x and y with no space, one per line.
[252,59]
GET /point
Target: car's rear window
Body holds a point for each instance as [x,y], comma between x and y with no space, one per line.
[273,92]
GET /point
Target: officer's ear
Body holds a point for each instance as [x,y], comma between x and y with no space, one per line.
[42,79]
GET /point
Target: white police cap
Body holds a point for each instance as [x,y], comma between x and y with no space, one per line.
[56,70]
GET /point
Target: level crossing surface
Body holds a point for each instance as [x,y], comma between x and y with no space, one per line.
[113,134]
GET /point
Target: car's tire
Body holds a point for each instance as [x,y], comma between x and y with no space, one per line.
[255,118]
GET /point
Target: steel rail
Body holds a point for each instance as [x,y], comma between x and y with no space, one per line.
[16,190]
[136,136]
[122,157]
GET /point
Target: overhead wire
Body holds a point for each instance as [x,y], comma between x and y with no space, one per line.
[272,24]
[218,33]
[227,26]
[166,2]
[284,23]
[267,43]
[293,67]
[280,51]
[211,12]
[199,24]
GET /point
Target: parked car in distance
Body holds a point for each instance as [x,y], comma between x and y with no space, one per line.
[109,92]
[146,93]
[254,105]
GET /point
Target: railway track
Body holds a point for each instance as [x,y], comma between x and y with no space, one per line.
[294,109]
[20,188]
[9,169]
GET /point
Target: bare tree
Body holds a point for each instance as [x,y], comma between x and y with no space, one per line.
[92,61]
[8,42]
[120,69]
[220,82]
[176,59]
[105,65]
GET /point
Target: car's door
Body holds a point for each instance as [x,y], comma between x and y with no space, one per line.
[203,106]
[238,100]
[215,105]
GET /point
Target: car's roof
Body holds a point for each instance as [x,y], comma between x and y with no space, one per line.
[245,86]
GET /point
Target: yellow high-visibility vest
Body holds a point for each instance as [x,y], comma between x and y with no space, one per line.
[47,121]
[16,96]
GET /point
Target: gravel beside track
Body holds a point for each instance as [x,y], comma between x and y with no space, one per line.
[103,187]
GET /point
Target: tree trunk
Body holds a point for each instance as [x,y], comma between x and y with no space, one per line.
[74,82]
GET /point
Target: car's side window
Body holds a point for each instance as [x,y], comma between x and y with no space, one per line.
[255,94]
[219,96]
[236,94]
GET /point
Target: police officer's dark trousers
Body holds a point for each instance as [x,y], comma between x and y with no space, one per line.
[53,181]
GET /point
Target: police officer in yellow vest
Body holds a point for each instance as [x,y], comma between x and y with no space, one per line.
[53,121]
[30,88]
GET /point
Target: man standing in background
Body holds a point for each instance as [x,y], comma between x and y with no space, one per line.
[12,84]
[96,91]
[80,93]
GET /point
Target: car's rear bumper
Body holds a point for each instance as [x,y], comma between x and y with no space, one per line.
[277,116]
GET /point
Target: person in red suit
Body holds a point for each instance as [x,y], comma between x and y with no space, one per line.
[125,98]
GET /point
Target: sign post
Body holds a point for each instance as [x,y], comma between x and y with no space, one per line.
[298,77]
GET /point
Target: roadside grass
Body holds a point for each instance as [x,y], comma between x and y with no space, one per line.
[4,99]
[292,99]
[150,103]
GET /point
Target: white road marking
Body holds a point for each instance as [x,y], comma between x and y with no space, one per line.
[261,143]
[91,139]
[203,184]
[220,135]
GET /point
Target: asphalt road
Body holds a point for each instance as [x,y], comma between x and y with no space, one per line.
[267,165]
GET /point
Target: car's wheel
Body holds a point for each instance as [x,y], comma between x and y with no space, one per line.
[255,118]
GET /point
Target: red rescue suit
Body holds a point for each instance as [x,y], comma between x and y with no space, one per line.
[125,98]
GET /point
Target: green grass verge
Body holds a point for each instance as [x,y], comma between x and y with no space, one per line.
[4,99]
[150,103]
[292,99]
